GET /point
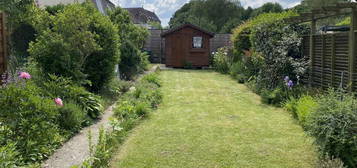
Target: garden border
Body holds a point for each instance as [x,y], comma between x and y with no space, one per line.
[76,150]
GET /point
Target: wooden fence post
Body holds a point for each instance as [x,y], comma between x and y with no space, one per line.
[3,47]
[322,59]
[351,49]
[312,48]
[333,59]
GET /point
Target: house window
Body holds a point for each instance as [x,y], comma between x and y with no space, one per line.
[197,42]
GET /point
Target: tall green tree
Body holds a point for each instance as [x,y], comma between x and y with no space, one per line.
[268,8]
[212,15]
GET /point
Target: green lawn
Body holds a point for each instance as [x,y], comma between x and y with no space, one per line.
[208,120]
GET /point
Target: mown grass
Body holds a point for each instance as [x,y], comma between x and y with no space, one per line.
[207,120]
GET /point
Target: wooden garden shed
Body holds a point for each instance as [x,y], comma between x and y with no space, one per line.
[187,45]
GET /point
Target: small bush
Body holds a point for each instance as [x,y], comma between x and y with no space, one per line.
[142,108]
[79,42]
[71,117]
[291,104]
[125,110]
[274,97]
[64,88]
[132,62]
[237,71]
[152,78]
[30,120]
[100,65]
[9,157]
[115,88]
[222,61]
[333,124]
[301,107]
[304,106]
[148,92]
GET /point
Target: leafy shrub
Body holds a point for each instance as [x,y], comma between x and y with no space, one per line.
[30,119]
[291,104]
[103,149]
[241,37]
[132,61]
[115,88]
[301,107]
[89,102]
[128,31]
[275,53]
[125,110]
[280,46]
[222,60]
[152,78]
[100,65]
[148,92]
[71,117]
[64,88]
[142,108]
[304,107]
[274,97]
[53,10]
[63,49]
[333,124]
[133,37]
[237,71]
[80,41]
[9,157]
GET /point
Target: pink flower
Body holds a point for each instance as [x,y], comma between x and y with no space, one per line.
[58,101]
[24,75]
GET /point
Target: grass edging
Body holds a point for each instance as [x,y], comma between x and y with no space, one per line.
[143,97]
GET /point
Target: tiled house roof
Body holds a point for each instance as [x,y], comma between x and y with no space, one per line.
[142,16]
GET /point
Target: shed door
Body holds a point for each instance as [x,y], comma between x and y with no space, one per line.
[177,51]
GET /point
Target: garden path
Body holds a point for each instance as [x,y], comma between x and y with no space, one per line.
[76,150]
[208,120]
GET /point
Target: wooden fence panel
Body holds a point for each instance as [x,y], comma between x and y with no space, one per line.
[156,45]
[330,65]
[220,40]
[2,44]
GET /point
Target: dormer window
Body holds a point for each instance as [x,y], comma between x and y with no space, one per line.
[197,42]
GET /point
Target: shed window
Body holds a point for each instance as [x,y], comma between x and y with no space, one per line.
[197,42]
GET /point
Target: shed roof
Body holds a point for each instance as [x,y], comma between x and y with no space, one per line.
[170,31]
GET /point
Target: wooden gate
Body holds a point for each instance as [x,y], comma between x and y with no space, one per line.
[2,44]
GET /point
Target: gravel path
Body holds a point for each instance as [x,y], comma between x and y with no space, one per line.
[76,150]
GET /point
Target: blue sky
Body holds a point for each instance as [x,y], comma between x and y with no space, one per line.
[166,8]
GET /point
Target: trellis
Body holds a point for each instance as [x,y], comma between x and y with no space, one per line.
[332,56]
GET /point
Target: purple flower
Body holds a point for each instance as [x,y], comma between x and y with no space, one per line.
[286,79]
[290,84]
